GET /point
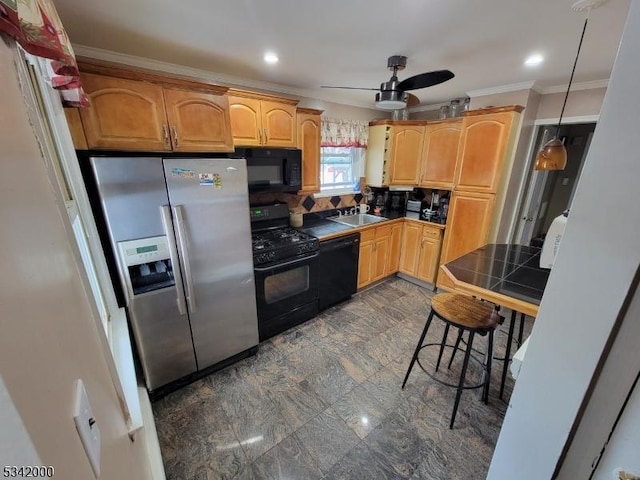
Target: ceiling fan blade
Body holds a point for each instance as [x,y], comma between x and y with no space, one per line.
[424,80]
[412,100]
[350,88]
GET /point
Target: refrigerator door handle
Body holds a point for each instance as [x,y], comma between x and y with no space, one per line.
[173,255]
[184,252]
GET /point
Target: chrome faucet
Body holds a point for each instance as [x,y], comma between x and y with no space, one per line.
[353,211]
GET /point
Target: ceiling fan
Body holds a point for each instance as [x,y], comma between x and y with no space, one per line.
[393,95]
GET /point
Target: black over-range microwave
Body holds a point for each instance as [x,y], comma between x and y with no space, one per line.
[272,169]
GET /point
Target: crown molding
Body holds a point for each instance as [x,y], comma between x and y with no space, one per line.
[575,86]
[215,77]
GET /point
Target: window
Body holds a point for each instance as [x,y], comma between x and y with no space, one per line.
[341,169]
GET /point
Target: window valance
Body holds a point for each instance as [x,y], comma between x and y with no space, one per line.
[344,133]
[37,28]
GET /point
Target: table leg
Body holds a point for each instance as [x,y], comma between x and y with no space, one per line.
[523,317]
[507,355]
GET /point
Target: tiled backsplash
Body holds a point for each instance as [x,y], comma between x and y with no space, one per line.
[306,203]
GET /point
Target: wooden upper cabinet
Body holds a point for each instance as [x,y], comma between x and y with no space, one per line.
[483,146]
[406,154]
[75,128]
[309,143]
[246,124]
[468,223]
[199,122]
[124,114]
[440,154]
[279,124]
[139,110]
[262,122]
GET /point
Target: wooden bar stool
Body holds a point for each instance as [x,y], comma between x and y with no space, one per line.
[467,314]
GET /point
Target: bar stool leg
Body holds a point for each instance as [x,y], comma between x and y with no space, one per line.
[442,344]
[465,364]
[507,355]
[488,367]
[415,354]
[455,349]
[521,331]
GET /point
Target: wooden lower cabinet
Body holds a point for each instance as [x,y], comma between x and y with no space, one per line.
[395,244]
[468,223]
[379,250]
[420,251]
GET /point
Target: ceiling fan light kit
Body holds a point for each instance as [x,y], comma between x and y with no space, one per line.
[553,154]
[393,95]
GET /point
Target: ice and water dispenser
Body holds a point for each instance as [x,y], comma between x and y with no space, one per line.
[148,264]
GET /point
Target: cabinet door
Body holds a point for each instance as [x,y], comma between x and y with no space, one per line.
[124,114]
[440,154]
[246,123]
[364,263]
[468,224]
[395,242]
[380,255]
[199,122]
[406,154]
[428,261]
[278,124]
[75,128]
[309,143]
[411,239]
[483,147]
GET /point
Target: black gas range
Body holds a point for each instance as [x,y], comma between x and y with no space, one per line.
[280,243]
[286,270]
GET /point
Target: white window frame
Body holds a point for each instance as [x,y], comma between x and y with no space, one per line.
[51,129]
[357,165]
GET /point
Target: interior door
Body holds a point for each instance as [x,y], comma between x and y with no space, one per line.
[210,209]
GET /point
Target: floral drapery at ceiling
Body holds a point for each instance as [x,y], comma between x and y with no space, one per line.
[344,133]
[35,25]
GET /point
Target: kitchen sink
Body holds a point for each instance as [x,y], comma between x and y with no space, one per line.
[358,220]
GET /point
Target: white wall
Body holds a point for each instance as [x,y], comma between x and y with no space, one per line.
[579,103]
[49,333]
[597,260]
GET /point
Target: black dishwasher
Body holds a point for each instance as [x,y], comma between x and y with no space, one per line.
[338,269]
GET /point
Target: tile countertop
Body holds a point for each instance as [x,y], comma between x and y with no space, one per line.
[316,224]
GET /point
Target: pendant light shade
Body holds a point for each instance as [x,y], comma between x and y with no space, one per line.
[553,154]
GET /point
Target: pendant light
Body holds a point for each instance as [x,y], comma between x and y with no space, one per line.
[553,154]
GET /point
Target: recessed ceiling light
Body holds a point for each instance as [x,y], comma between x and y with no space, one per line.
[534,60]
[270,57]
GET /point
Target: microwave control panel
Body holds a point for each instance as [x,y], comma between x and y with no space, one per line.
[144,250]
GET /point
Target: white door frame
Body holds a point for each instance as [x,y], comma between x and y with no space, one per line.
[528,181]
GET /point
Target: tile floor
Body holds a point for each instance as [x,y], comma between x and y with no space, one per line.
[323,401]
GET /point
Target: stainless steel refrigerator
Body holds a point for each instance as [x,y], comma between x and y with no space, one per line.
[180,233]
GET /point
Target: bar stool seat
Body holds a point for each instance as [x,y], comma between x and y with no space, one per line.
[467,314]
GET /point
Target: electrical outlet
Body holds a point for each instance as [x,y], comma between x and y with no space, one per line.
[87,427]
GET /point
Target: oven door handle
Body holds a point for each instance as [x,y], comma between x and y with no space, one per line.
[286,264]
[173,256]
[184,253]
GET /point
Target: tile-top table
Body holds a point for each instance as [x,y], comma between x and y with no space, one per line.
[505,274]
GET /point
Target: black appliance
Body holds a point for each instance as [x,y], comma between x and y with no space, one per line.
[338,269]
[272,169]
[286,270]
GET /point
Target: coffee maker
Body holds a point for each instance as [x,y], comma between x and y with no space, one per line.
[397,202]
